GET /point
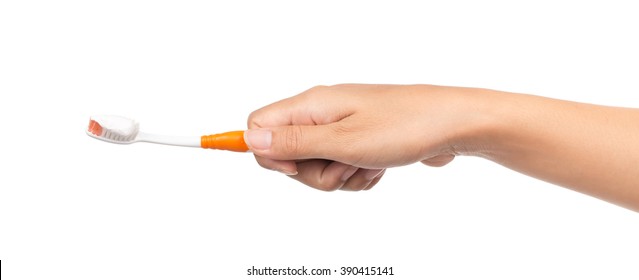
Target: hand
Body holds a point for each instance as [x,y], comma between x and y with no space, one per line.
[345,136]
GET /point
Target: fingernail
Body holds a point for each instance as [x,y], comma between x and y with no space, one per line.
[287,172]
[348,173]
[258,139]
[372,173]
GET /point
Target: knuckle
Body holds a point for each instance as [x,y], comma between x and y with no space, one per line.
[253,120]
[293,139]
[350,142]
[319,89]
[328,186]
[263,163]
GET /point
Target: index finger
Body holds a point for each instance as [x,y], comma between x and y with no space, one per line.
[315,106]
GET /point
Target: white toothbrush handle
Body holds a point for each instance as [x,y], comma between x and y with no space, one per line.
[183,141]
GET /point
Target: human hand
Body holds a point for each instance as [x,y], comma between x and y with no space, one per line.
[345,136]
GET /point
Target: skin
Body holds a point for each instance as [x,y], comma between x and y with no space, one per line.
[345,136]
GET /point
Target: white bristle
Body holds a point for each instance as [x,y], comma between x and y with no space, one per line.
[116,128]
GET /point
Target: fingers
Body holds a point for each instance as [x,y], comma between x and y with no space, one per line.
[325,175]
[363,179]
[331,176]
[287,167]
[374,182]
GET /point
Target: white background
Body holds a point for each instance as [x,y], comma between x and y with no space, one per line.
[72,207]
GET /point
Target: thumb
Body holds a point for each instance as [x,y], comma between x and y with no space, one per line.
[291,142]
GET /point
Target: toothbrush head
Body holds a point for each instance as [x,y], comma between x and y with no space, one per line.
[114,129]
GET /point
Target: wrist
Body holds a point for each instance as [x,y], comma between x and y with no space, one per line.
[484,116]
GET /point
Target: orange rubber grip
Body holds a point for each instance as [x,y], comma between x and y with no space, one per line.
[229,141]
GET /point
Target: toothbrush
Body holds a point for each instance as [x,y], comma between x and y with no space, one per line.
[121,130]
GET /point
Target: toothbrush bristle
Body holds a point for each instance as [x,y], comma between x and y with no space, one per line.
[95,128]
[113,128]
